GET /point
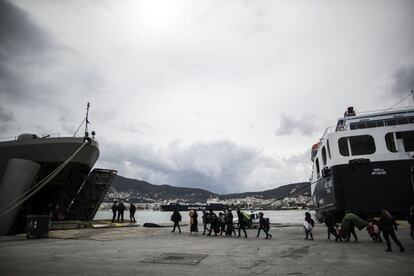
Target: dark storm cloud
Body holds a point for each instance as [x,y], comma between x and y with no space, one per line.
[305,125]
[403,80]
[217,166]
[22,45]
[6,117]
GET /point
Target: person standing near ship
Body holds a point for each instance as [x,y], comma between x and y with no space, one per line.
[387,225]
[114,210]
[132,210]
[214,225]
[176,218]
[308,225]
[121,209]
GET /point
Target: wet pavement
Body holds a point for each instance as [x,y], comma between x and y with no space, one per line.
[157,251]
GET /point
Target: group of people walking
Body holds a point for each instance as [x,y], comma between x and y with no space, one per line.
[118,209]
[386,225]
[221,224]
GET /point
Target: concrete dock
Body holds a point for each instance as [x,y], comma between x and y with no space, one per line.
[157,251]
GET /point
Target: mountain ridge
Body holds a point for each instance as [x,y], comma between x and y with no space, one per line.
[144,189]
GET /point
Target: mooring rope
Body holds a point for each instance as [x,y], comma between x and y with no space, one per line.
[34,189]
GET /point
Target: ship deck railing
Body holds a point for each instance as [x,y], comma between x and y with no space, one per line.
[42,136]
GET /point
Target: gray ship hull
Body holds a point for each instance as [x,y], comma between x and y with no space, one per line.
[25,162]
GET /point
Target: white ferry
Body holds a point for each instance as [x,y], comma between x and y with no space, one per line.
[365,164]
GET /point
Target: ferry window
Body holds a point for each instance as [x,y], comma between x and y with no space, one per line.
[361,125]
[363,144]
[402,121]
[408,139]
[390,142]
[411,119]
[324,156]
[391,122]
[380,123]
[317,167]
[329,149]
[343,146]
[371,124]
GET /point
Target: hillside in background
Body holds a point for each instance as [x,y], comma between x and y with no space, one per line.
[143,189]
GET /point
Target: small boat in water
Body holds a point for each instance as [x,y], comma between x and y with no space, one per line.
[365,164]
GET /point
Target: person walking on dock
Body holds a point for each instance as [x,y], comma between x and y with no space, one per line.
[308,226]
[264,225]
[214,225]
[222,223]
[229,223]
[387,225]
[132,210]
[114,209]
[121,209]
[193,221]
[176,218]
[242,222]
[206,220]
[330,224]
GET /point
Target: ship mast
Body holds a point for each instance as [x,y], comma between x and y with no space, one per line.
[86,120]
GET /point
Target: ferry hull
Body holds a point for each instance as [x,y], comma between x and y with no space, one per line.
[366,188]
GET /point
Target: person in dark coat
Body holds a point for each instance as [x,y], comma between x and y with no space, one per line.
[264,225]
[242,223]
[120,209]
[214,224]
[132,210]
[229,224]
[222,223]
[176,218]
[330,224]
[206,220]
[387,225]
[114,210]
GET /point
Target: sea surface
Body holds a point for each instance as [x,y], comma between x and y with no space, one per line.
[148,216]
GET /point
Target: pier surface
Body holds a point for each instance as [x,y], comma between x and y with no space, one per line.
[157,251]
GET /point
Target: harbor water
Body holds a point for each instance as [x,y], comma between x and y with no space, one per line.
[149,216]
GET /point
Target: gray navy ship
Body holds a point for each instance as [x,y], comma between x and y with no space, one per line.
[50,176]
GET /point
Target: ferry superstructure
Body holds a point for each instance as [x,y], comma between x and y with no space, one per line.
[365,164]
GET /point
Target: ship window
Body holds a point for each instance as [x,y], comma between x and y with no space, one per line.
[362,144]
[324,156]
[403,121]
[317,167]
[371,124]
[329,149]
[408,139]
[391,122]
[390,142]
[353,126]
[380,123]
[343,146]
[361,125]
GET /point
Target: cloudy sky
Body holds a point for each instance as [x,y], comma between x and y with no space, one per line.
[223,95]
